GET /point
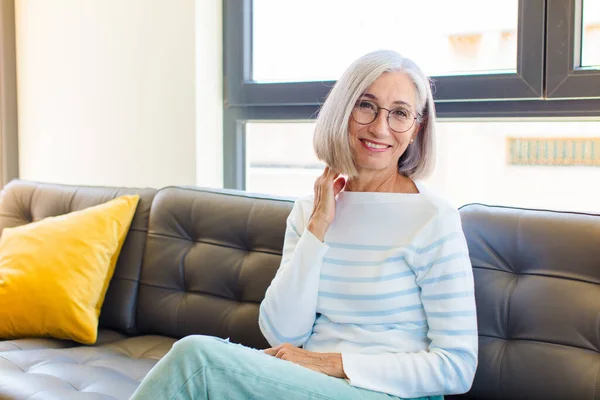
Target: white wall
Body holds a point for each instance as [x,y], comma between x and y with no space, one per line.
[209,93]
[107,91]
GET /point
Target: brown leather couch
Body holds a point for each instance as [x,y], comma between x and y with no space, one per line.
[198,261]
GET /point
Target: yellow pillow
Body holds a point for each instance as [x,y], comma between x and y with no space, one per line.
[54,273]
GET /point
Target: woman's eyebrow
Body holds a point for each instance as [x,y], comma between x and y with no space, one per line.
[399,102]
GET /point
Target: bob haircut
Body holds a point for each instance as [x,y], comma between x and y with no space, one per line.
[331,137]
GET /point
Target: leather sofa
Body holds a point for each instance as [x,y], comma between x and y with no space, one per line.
[198,261]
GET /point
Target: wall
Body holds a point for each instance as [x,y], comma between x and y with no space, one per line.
[209,93]
[107,91]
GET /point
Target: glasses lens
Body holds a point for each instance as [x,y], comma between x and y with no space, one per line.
[401,120]
[364,112]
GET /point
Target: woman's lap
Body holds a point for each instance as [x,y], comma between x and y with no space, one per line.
[207,367]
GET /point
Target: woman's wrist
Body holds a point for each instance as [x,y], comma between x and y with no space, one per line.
[318,228]
[337,366]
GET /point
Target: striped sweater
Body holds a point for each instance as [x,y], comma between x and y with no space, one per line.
[391,289]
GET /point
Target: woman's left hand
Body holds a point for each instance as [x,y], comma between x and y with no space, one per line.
[327,363]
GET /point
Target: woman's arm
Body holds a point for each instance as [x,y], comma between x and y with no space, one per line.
[444,274]
[288,311]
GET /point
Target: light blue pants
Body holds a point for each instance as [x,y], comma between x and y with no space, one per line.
[204,367]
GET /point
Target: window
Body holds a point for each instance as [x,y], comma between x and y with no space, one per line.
[288,53]
[280,158]
[460,45]
[590,48]
[476,161]
[475,164]
[510,75]
[572,50]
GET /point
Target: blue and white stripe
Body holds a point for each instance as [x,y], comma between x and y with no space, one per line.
[392,278]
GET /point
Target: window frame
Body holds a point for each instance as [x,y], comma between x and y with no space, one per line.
[234,141]
[565,77]
[525,83]
[455,97]
[9,151]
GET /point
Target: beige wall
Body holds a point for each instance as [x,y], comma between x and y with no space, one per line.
[209,93]
[107,91]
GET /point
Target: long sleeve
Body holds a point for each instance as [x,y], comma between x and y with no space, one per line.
[288,311]
[444,275]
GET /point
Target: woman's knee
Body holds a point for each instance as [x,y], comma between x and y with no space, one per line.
[195,346]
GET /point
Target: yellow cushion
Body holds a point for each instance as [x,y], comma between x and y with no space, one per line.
[54,273]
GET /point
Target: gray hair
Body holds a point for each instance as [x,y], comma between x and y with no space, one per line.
[331,138]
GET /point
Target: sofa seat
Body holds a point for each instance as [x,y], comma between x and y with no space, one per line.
[105,371]
[104,336]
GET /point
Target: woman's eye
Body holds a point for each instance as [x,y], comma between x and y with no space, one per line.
[399,113]
[366,105]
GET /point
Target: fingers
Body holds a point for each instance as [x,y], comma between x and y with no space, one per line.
[274,350]
[325,190]
[282,354]
[304,358]
[285,351]
[329,173]
[294,355]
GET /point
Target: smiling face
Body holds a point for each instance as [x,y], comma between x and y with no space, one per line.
[376,147]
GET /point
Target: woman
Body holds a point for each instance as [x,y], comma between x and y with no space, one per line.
[374,296]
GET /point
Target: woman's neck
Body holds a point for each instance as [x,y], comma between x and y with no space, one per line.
[391,182]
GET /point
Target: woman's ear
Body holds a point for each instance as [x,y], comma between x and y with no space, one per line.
[338,185]
[416,132]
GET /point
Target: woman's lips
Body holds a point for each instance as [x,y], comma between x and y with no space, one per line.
[374,146]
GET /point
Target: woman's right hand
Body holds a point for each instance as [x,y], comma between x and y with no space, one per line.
[327,186]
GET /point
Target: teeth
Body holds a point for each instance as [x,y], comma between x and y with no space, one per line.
[375,146]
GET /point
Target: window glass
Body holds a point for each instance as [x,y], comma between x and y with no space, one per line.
[280,158]
[590,36]
[314,40]
[533,163]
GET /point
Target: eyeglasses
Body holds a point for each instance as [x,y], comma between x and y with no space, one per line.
[399,119]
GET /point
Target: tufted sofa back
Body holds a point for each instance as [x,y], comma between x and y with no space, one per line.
[537,288]
[209,259]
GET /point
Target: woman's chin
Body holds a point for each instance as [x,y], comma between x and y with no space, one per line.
[373,166]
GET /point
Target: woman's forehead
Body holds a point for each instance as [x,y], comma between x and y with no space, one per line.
[393,87]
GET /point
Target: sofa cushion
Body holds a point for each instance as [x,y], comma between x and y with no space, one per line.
[209,259]
[537,288]
[104,336]
[109,371]
[54,273]
[22,202]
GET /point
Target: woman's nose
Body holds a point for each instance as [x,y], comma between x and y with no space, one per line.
[380,126]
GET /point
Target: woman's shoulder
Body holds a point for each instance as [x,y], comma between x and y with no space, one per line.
[442,215]
[304,201]
[302,209]
[439,204]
